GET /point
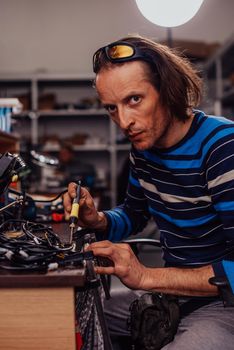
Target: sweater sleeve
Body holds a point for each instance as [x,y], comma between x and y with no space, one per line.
[132,216]
[220,180]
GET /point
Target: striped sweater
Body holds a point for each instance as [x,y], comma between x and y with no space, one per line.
[188,189]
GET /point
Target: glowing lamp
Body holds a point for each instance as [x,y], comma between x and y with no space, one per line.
[169,13]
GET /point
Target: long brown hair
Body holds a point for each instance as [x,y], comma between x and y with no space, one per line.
[174,77]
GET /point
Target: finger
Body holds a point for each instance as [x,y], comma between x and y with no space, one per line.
[106,243]
[72,188]
[110,255]
[105,270]
[86,200]
[100,244]
[102,251]
[67,204]
[68,196]
[71,194]
[109,249]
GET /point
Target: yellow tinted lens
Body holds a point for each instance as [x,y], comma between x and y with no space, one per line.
[120,51]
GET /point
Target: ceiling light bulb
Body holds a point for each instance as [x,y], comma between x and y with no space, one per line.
[169,13]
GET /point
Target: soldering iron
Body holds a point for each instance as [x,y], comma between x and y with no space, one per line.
[74,212]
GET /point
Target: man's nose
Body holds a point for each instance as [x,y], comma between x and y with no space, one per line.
[125,119]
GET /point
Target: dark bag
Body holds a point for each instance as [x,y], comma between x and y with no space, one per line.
[154,319]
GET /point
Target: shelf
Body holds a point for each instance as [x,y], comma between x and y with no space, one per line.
[124,147]
[228,96]
[62,113]
[97,147]
[75,112]
[219,71]
[82,148]
[8,142]
[92,147]
[226,54]
[39,91]
[10,102]
[6,137]
[24,114]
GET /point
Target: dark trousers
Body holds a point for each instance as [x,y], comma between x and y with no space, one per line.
[210,327]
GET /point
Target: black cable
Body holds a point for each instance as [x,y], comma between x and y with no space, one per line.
[37,247]
[28,196]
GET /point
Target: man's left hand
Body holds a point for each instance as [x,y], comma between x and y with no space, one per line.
[125,264]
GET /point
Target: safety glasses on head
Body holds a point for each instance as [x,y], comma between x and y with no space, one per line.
[117,52]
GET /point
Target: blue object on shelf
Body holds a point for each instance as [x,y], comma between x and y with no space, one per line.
[5,119]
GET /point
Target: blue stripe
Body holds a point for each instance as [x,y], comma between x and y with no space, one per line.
[134,181]
[128,222]
[113,225]
[209,125]
[185,164]
[120,225]
[205,226]
[222,206]
[184,223]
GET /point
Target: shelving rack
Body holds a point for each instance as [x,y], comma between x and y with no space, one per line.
[219,74]
[70,88]
[8,141]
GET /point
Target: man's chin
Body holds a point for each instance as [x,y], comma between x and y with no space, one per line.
[140,146]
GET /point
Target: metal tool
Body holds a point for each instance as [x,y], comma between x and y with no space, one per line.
[74,212]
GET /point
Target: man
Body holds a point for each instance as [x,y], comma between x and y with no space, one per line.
[181,174]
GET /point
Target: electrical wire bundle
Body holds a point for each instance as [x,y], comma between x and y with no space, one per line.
[30,246]
[27,246]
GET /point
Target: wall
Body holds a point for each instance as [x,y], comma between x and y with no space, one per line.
[61,35]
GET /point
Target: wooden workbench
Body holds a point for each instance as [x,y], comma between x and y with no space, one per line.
[37,311]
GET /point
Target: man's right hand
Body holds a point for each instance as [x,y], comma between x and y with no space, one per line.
[88,215]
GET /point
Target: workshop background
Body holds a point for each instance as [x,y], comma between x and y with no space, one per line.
[59,127]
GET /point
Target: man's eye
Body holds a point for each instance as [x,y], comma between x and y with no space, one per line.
[135,99]
[110,108]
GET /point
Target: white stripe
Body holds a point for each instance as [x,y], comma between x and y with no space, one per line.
[170,183]
[188,174]
[221,179]
[131,158]
[195,237]
[189,246]
[155,200]
[181,174]
[139,158]
[177,185]
[156,168]
[207,261]
[226,190]
[214,150]
[144,171]
[176,210]
[175,256]
[139,199]
[173,198]
[221,161]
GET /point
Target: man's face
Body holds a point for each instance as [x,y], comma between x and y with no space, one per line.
[133,104]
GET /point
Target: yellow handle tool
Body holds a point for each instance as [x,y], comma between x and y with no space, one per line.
[74,212]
